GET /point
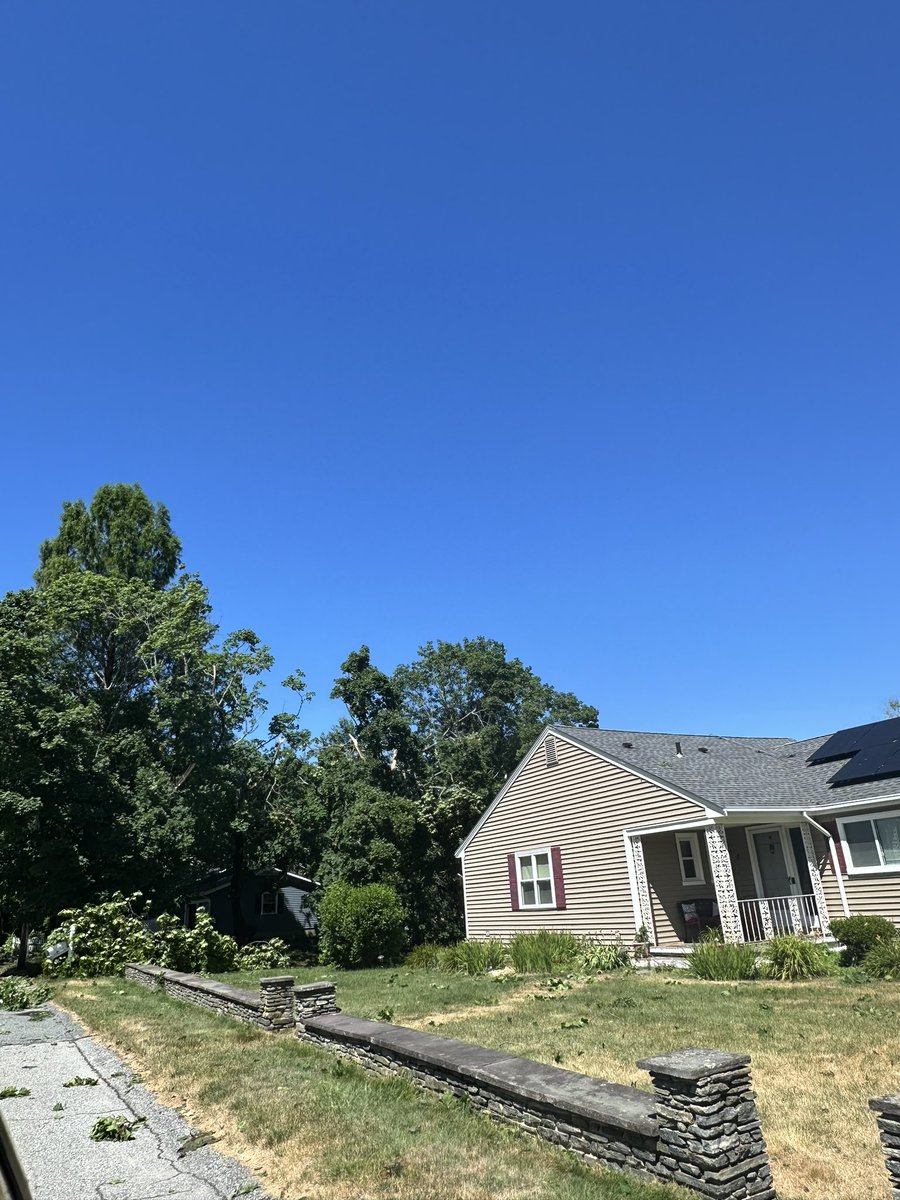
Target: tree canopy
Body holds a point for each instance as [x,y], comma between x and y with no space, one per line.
[136,752]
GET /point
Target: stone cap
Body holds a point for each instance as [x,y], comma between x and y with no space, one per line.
[694,1064]
[313,989]
[147,968]
[563,1091]
[886,1104]
[289,979]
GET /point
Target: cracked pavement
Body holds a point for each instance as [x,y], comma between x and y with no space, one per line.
[55,1147]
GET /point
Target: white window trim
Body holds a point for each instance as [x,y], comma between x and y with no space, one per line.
[689,836]
[277,894]
[885,868]
[519,855]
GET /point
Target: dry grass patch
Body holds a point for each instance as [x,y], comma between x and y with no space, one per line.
[313,1126]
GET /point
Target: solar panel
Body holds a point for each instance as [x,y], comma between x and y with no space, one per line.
[871,762]
[849,741]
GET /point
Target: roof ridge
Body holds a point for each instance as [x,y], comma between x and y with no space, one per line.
[737,737]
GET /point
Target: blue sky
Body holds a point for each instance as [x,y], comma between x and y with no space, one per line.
[574,325]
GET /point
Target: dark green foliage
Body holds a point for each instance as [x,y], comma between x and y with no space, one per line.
[361,926]
[860,934]
[883,960]
[712,958]
[9,1093]
[791,957]
[122,534]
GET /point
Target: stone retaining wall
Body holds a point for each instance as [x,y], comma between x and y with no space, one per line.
[234,1002]
[699,1128]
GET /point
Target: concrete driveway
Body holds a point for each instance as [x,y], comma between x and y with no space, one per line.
[54,1144]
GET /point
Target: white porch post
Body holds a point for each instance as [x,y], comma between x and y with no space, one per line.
[641,887]
[723,881]
[815,879]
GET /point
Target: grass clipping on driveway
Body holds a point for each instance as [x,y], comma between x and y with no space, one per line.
[311,1125]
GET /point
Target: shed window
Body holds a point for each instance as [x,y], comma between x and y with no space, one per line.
[269,904]
[689,858]
[872,843]
[535,880]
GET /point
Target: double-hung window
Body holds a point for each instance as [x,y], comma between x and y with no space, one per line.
[535,880]
[688,845]
[871,844]
[269,904]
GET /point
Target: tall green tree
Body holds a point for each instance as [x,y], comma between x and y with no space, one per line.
[122,713]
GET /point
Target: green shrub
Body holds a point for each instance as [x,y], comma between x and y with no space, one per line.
[791,957]
[543,952]
[473,957]
[17,993]
[106,936]
[860,934]
[883,960]
[711,958]
[199,949]
[263,956]
[361,926]
[595,956]
[9,949]
[427,956]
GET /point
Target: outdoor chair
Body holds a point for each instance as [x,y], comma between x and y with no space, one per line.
[698,916]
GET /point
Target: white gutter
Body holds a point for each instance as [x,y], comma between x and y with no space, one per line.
[835,861]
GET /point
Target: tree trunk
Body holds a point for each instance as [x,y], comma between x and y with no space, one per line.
[235,889]
[22,962]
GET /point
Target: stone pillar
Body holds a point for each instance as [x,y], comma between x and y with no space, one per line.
[723,881]
[710,1137]
[275,994]
[815,879]
[313,1000]
[888,1110]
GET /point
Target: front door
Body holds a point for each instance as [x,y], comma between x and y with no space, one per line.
[774,872]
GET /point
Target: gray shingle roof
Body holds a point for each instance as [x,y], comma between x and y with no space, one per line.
[735,772]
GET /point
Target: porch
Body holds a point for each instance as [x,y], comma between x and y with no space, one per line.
[752,880]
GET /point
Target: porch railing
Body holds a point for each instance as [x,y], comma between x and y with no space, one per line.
[767,916]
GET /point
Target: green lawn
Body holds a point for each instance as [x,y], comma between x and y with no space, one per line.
[315,1126]
[820,1050]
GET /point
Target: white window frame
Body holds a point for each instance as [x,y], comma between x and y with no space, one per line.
[519,855]
[277,909]
[690,836]
[884,868]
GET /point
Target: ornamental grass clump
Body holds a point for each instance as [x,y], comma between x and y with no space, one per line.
[543,952]
[883,960]
[601,956]
[473,957]
[711,958]
[790,957]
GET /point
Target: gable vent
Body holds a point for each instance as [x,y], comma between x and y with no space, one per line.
[550,751]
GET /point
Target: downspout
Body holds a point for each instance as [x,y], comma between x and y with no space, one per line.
[835,861]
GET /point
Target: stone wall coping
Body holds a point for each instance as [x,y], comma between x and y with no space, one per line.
[886,1104]
[313,989]
[199,983]
[289,979]
[694,1064]
[596,1100]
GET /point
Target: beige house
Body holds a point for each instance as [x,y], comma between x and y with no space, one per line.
[604,832]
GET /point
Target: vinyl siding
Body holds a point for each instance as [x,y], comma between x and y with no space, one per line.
[877,894]
[581,805]
[666,888]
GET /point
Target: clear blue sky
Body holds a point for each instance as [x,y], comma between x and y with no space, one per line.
[573,324]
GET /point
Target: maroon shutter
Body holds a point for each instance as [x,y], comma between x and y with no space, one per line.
[513,882]
[559,886]
[837,850]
